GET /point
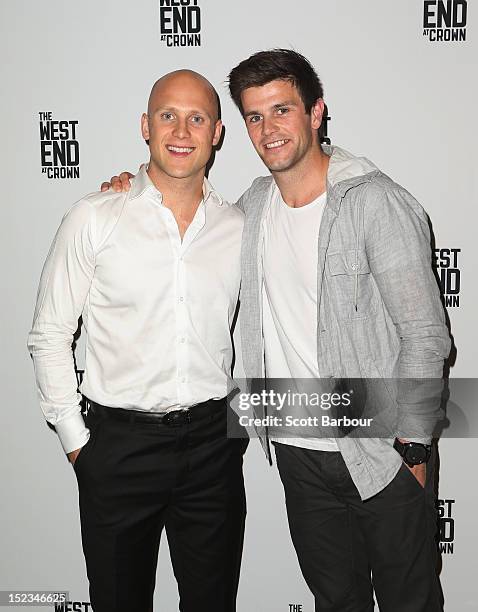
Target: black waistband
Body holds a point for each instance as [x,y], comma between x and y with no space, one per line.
[174,418]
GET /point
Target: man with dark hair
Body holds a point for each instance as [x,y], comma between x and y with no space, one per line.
[344,289]
[337,284]
[152,450]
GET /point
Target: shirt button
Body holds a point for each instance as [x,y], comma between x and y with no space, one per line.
[182,340]
[354,266]
[181,299]
[183,379]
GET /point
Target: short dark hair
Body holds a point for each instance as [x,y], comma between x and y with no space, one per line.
[283,64]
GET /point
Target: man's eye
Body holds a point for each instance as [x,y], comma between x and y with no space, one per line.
[282,111]
[197,119]
[254,118]
[166,116]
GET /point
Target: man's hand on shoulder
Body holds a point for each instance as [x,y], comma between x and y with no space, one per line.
[73,455]
[118,183]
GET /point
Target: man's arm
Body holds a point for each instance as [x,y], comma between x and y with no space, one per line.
[63,289]
[399,252]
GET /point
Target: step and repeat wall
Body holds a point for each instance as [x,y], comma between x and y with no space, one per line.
[400,85]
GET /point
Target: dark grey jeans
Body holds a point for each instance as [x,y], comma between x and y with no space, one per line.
[348,547]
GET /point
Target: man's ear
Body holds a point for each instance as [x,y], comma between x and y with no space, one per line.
[145,126]
[316,113]
[217,132]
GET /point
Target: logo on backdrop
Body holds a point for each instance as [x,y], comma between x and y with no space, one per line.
[446,526]
[59,148]
[73,606]
[445,262]
[445,20]
[180,23]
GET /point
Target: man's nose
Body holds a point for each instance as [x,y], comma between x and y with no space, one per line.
[181,128]
[269,125]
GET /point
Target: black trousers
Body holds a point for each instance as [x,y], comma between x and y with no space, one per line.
[136,478]
[347,547]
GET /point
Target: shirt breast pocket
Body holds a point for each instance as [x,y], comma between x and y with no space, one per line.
[352,285]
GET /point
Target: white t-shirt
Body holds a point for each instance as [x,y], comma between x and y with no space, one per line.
[290,297]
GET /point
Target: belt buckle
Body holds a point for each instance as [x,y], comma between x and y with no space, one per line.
[176,418]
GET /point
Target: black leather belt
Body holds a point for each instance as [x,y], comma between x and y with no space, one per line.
[174,418]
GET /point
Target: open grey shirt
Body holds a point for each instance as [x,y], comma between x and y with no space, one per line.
[379,313]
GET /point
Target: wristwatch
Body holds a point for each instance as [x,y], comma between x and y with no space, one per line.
[413,453]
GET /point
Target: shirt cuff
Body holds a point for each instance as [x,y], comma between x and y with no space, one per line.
[72,432]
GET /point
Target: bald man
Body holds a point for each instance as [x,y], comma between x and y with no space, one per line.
[155,275]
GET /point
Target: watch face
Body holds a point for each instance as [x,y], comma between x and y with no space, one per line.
[415,454]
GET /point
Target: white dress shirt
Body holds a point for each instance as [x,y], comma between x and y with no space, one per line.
[157,310]
[290,298]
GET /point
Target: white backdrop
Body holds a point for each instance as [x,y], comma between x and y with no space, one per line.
[407,103]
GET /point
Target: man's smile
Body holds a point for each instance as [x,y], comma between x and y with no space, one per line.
[276,144]
[180,151]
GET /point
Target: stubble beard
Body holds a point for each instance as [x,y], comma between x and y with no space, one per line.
[287,164]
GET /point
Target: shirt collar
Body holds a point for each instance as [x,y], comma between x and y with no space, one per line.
[141,182]
[209,192]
